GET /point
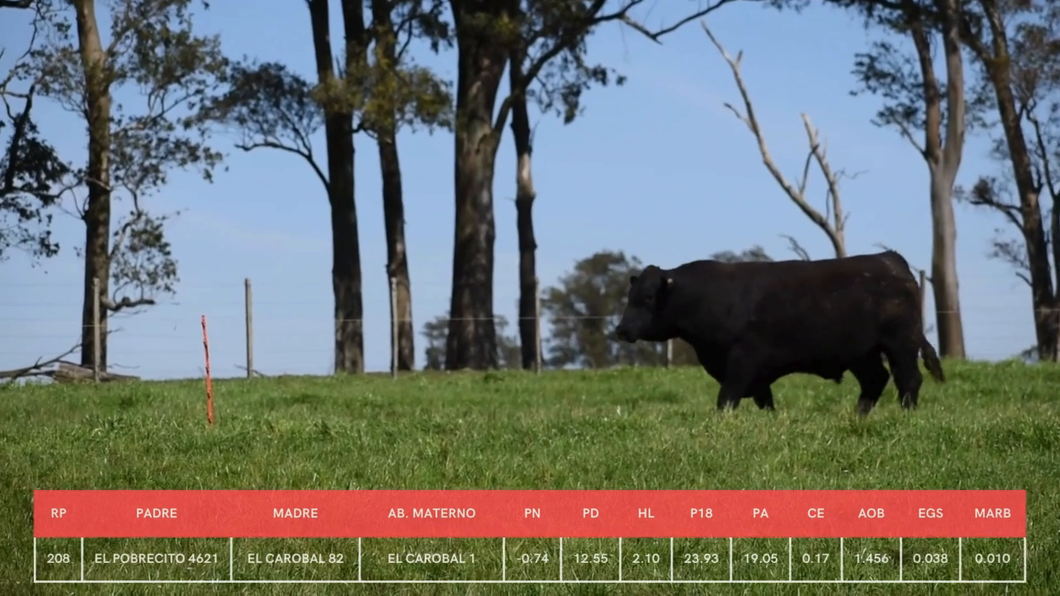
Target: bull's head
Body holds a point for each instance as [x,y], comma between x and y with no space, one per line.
[644,303]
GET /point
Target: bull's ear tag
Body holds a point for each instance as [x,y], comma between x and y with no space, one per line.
[669,281]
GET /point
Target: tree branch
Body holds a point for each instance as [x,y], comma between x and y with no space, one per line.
[833,231]
[299,152]
[797,248]
[37,368]
[834,201]
[124,303]
[19,122]
[658,34]
[34,370]
[572,33]
[253,371]
[987,193]
[562,43]
[904,130]
[1043,154]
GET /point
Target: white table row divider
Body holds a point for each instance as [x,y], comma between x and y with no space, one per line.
[730,559]
[789,559]
[840,559]
[561,559]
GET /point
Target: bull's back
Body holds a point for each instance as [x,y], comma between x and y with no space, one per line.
[832,312]
[793,300]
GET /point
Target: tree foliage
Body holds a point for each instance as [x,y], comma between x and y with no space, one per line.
[269,106]
[435,330]
[30,172]
[895,75]
[1035,62]
[154,56]
[136,87]
[1017,50]
[754,254]
[377,90]
[583,309]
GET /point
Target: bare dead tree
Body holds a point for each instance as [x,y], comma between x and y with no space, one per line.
[832,221]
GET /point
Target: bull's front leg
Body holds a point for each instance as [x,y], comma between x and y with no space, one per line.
[739,379]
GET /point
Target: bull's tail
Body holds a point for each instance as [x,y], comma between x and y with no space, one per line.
[931,359]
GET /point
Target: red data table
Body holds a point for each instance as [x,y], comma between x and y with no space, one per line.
[529,536]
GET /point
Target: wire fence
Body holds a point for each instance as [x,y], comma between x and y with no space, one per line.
[275,330]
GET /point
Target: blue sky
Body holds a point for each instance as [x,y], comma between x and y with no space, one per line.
[658,168]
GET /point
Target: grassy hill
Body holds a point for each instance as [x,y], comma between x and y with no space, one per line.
[988,427]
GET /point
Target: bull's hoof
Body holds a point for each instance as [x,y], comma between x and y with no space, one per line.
[864,407]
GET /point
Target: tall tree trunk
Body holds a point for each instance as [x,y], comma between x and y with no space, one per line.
[338,127]
[472,338]
[97,214]
[393,198]
[1054,227]
[397,258]
[1033,228]
[998,64]
[944,283]
[524,205]
[943,157]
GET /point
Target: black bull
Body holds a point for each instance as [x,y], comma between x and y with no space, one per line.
[752,323]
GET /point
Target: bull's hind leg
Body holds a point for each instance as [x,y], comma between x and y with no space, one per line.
[763,396]
[905,367]
[872,375]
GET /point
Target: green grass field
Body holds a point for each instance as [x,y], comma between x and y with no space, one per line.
[987,427]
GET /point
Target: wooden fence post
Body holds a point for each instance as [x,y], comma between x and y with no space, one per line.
[537,326]
[394,326]
[923,291]
[97,340]
[248,312]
